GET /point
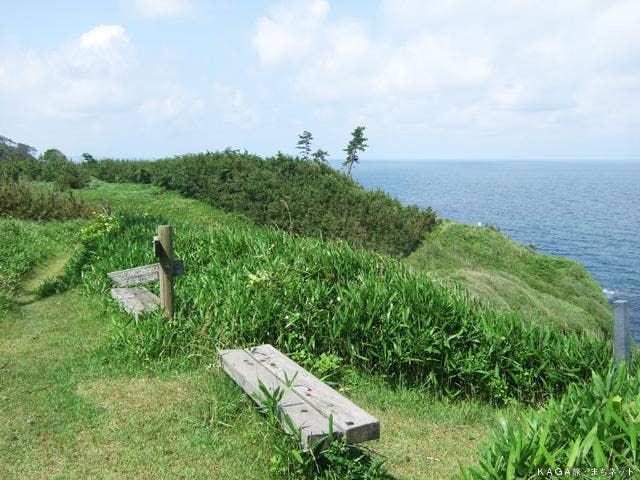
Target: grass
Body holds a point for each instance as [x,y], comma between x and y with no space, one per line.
[68,413]
[85,392]
[24,245]
[513,277]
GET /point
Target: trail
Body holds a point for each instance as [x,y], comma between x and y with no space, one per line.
[38,275]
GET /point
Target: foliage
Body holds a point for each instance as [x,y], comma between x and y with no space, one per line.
[19,200]
[593,426]
[301,197]
[356,144]
[17,161]
[252,286]
[320,156]
[62,171]
[330,458]
[507,275]
[304,144]
[100,226]
[22,246]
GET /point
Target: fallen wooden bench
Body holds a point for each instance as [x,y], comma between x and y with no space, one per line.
[308,403]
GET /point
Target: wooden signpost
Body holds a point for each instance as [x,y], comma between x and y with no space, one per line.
[140,300]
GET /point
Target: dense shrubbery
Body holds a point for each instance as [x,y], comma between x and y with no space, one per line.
[18,200]
[61,171]
[249,286]
[593,426]
[18,162]
[303,197]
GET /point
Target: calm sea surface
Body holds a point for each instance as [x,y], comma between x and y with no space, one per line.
[588,211]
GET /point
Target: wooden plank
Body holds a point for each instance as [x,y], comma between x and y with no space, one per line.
[354,422]
[136,300]
[348,418]
[246,371]
[138,275]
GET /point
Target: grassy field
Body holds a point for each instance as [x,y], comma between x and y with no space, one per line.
[511,276]
[70,411]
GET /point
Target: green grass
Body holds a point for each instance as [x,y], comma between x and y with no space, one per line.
[67,412]
[23,245]
[86,392]
[510,276]
[248,285]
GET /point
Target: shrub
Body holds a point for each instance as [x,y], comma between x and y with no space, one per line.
[18,200]
[592,429]
[62,171]
[294,195]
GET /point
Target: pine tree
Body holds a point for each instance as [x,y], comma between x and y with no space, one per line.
[356,144]
[320,156]
[304,144]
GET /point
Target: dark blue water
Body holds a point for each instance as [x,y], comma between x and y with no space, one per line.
[588,211]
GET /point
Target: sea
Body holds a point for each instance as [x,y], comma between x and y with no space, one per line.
[585,210]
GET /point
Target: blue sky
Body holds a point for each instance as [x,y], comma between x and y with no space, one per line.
[439,79]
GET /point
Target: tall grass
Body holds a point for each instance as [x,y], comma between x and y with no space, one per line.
[248,286]
[591,431]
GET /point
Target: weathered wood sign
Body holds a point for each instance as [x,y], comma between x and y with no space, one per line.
[308,403]
[139,275]
[140,300]
[136,300]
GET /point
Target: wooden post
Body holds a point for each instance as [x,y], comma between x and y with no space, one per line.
[622,344]
[164,252]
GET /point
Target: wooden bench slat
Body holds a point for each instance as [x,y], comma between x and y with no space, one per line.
[358,425]
[245,371]
[136,300]
[308,396]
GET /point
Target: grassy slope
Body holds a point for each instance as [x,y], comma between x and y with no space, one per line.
[65,413]
[509,275]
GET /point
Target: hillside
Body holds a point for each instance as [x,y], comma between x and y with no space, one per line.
[511,276]
[145,399]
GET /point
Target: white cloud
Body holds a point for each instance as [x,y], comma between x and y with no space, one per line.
[231,103]
[290,32]
[483,64]
[94,76]
[155,9]
[103,36]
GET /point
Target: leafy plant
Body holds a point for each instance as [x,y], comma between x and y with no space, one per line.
[253,286]
[330,457]
[594,427]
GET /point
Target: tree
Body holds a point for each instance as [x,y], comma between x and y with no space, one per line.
[356,144]
[304,144]
[320,156]
[62,171]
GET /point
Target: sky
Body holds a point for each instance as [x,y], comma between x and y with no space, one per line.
[429,79]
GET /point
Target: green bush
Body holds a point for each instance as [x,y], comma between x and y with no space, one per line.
[17,161]
[62,171]
[18,200]
[593,428]
[250,286]
[306,198]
